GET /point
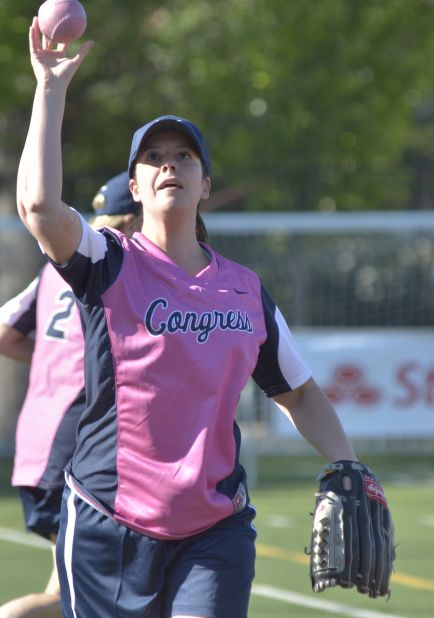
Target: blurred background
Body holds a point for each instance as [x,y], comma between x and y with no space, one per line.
[307,106]
[319,115]
[320,119]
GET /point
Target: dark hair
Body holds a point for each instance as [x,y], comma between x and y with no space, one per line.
[201,231]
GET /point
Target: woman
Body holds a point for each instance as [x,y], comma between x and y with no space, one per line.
[156,519]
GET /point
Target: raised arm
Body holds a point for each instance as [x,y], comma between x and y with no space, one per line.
[315,418]
[40,174]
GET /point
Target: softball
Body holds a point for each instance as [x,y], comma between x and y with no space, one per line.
[62,21]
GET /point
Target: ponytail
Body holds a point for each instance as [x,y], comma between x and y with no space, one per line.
[201,231]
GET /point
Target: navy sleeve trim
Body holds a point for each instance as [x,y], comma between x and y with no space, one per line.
[268,375]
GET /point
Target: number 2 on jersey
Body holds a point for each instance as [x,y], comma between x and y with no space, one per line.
[57,328]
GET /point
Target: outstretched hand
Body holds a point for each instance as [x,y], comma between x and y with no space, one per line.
[52,64]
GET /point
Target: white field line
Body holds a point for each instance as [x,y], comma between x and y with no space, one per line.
[23,538]
[331,607]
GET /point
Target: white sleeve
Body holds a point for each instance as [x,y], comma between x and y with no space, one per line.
[280,366]
[16,309]
[92,244]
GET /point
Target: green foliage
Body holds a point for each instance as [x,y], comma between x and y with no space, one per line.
[306,105]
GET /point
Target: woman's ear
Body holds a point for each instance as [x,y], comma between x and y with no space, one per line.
[134,189]
[206,188]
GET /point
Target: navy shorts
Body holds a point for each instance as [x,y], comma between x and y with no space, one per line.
[106,569]
[41,509]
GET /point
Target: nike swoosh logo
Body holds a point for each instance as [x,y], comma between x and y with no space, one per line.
[239,291]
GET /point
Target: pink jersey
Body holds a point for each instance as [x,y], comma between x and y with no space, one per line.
[167,355]
[45,437]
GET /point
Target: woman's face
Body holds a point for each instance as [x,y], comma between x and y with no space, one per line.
[169,175]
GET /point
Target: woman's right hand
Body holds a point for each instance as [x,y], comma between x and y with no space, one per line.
[52,65]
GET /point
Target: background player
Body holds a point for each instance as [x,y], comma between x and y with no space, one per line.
[45,437]
[156,518]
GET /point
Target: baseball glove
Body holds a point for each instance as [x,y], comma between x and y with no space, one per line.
[352,537]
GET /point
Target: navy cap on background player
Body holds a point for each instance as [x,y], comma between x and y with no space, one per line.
[174,123]
[114,198]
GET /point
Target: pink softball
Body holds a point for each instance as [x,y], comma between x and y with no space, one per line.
[62,21]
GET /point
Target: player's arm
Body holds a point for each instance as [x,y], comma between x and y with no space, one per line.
[315,418]
[39,184]
[283,375]
[18,322]
[15,345]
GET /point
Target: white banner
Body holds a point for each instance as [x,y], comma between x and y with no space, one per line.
[381,382]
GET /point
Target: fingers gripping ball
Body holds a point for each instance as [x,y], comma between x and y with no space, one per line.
[62,21]
[352,538]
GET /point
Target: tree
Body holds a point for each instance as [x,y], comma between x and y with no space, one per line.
[305,105]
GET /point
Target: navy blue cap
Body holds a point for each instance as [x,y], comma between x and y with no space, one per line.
[171,123]
[114,198]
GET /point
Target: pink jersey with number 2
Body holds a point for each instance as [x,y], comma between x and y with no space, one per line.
[45,436]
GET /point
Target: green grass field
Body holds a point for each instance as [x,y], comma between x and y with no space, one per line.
[283,499]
